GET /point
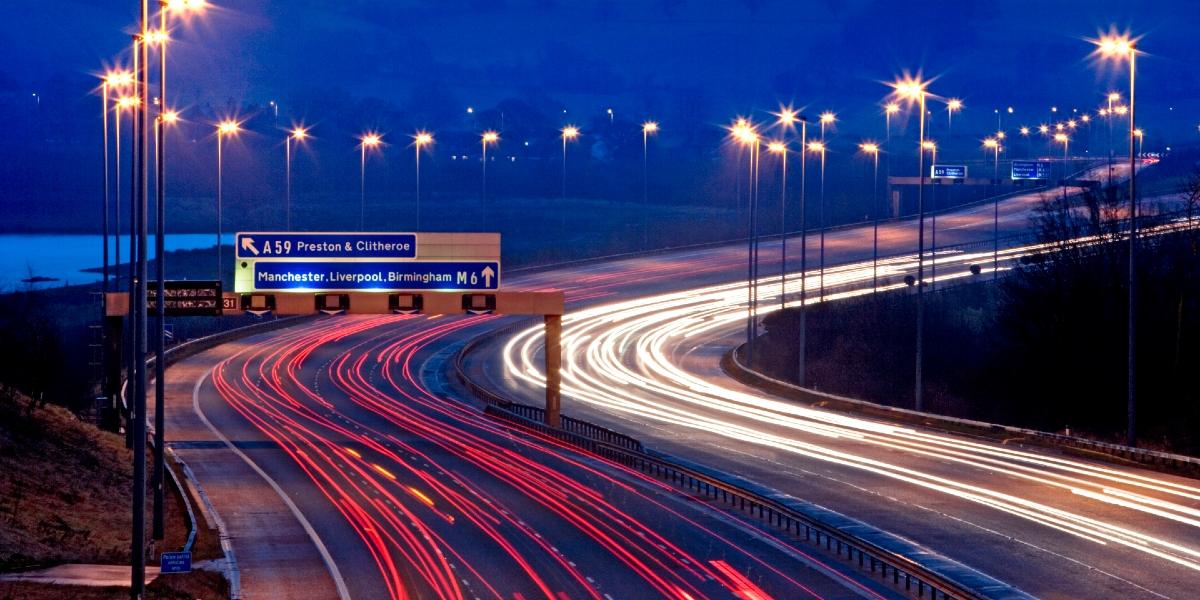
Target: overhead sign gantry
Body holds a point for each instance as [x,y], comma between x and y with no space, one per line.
[372,261]
[289,273]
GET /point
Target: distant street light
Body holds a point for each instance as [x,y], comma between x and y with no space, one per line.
[1141,137]
[569,134]
[487,138]
[649,128]
[420,140]
[369,140]
[819,148]
[225,128]
[780,149]
[931,146]
[298,134]
[827,118]
[786,122]
[952,106]
[993,144]
[803,342]
[873,149]
[743,131]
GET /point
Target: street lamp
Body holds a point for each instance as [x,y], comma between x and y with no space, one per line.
[787,123]
[993,144]
[569,133]
[913,90]
[1120,47]
[225,128]
[369,140]
[487,138]
[1141,137]
[827,118]
[931,147]
[780,149]
[952,106]
[298,134]
[743,131]
[420,140]
[803,342]
[649,128]
[872,148]
[1065,140]
[819,148]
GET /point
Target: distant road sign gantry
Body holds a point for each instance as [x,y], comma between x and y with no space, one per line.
[1030,169]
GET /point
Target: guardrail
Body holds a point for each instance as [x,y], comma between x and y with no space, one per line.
[525,411]
[1162,461]
[783,514]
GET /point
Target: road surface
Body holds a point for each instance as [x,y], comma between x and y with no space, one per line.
[340,473]
[642,341]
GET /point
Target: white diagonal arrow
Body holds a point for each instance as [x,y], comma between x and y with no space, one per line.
[248,245]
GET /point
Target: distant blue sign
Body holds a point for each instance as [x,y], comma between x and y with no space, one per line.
[949,172]
[376,276]
[325,246]
[1030,169]
[175,562]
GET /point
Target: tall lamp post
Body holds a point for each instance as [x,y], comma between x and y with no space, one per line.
[827,118]
[648,128]
[744,133]
[368,141]
[931,146]
[993,144]
[1065,140]
[803,343]
[298,134]
[489,137]
[225,129]
[420,141]
[872,149]
[914,90]
[1120,47]
[569,134]
[1112,97]
[819,148]
[780,149]
[952,106]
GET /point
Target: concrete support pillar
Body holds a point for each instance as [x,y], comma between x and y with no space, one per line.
[553,368]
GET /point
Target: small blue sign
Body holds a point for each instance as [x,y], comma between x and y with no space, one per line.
[328,246]
[376,276]
[949,172]
[175,562]
[1030,169]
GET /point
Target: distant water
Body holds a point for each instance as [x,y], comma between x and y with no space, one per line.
[64,256]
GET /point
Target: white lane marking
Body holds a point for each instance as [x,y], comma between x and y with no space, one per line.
[330,565]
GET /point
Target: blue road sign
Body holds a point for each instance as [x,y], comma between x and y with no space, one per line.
[175,562]
[1030,169]
[325,246]
[949,172]
[376,276]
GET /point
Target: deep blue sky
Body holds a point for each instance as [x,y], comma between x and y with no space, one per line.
[345,65]
[740,53]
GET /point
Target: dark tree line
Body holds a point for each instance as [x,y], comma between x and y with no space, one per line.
[1046,347]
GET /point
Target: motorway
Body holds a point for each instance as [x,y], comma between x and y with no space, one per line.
[395,491]
[342,467]
[641,352]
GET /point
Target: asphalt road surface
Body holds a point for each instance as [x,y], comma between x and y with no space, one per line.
[642,341]
[400,492]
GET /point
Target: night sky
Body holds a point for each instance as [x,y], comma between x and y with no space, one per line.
[693,64]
